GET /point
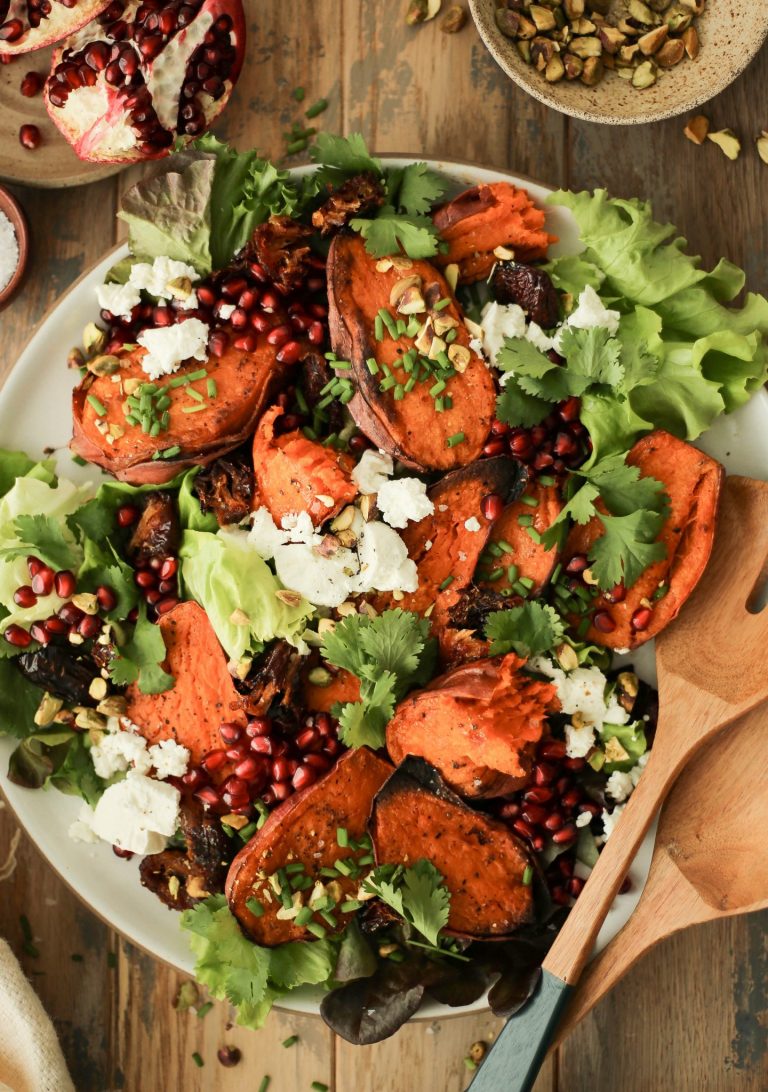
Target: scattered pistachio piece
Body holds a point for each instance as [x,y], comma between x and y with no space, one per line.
[697,128]
[94,339]
[454,20]
[727,141]
[762,146]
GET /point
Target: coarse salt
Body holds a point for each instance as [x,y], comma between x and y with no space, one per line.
[9,251]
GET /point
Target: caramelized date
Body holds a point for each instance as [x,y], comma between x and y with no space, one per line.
[157,533]
[280,246]
[530,288]
[60,671]
[358,196]
[226,487]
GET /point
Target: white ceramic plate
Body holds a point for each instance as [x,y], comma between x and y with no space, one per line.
[35,414]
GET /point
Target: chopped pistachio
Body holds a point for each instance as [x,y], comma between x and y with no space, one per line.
[727,141]
[697,128]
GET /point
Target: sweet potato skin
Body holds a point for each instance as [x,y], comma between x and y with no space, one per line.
[410,429]
[415,816]
[477,725]
[304,829]
[693,481]
[485,217]
[531,558]
[455,550]
[293,473]
[200,701]
[246,383]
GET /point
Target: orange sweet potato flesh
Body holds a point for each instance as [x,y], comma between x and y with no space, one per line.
[415,816]
[692,481]
[304,829]
[485,217]
[478,725]
[201,700]
[532,560]
[245,384]
[343,687]
[409,429]
[446,553]
[293,473]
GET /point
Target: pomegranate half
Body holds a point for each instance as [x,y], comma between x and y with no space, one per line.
[32,24]
[144,75]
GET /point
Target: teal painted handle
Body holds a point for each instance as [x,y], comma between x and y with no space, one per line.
[513,1062]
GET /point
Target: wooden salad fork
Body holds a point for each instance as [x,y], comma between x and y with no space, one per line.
[711,668]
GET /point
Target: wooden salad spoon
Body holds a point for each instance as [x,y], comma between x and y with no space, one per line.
[709,859]
[711,668]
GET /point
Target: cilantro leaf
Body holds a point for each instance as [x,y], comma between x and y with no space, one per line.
[593,354]
[103,565]
[627,548]
[140,660]
[43,537]
[414,188]
[418,894]
[622,489]
[393,232]
[529,629]
[337,155]
[389,654]
[515,407]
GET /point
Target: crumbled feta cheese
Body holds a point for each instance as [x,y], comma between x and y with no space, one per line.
[610,819]
[582,691]
[583,819]
[538,338]
[372,471]
[476,346]
[118,299]
[428,544]
[638,768]
[402,500]
[119,751]
[322,581]
[156,277]
[619,786]
[138,814]
[169,346]
[265,536]
[81,830]
[591,312]
[384,561]
[499,321]
[579,741]
[225,311]
[169,759]
[472,524]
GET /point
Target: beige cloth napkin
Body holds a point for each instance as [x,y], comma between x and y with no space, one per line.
[30,1055]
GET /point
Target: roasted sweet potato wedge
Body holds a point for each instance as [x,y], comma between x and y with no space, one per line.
[201,700]
[485,217]
[447,545]
[409,428]
[245,383]
[344,687]
[692,480]
[530,560]
[294,474]
[478,725]
[305,830]
[484,865]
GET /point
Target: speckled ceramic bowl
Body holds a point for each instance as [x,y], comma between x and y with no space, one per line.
[731,33]
[11,208]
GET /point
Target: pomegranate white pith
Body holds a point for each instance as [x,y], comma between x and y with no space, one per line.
[31,24]
[144,75]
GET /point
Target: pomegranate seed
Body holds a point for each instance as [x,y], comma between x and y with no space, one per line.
[167,604]
[127,515]
[259,726]
[31,84]
[316,333]
[554,821]
[280,769]
[248,769]
[56,626]
[260,323]
[494,447]
[195,778]
[563,785]
[565,864]
[64,583]
[575,886]
[11,30]
[332,747]
[279,335]
[492,505]
[227,1055]
[574,763]
[617,594]
[534,814]
[42,581]
[24,596]
[544,773]
[214,760]
[248,299]
[571,798]
[570,409]
[237,752]
[238,319]
[258,271]
[543,461]
[300,323]
[106,598]
[318,762]
[560,896]
[208,796]
[565,835]
[290,353]
[230,733]
[123,854]
[509,811]
[319,310]
[262,745]
[520,445]
[577,564]
[218,343]
[155,563]
[603,621]
[38,631]
[589,807]
[303,776]
[153,596]
[552,748]
[281,791]
[34,565]
[29,137]
[522,828]
[498,428]
[539,795]
[17,636]
[269,302]
[145,578]
[169,568]
[233,287]
[324,724]
[205,295]
[162,316]
[308,740]
[246,344]
[89,626]
[640,619]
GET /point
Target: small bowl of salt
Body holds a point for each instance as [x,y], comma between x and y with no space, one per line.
[14,246]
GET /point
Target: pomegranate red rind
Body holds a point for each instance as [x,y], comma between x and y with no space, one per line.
[304,829]
[692,480]
[478,725]
[144,76]
[192,712]
[409,429]
[245,383]
[482,862]
[18,34]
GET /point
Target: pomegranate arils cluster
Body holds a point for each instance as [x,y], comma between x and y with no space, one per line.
[31,24]
[71,621]
[559,444]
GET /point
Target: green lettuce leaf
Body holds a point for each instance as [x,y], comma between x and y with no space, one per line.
[16,464]
[225,575]
[19,700]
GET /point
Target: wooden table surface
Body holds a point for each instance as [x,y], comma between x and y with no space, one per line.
[694,1014]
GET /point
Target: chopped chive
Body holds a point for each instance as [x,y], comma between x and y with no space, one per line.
[198,1060]
[342,837]
[304,916]
[660,592]
[413,327]
[194,409]
[528,875]
[178,381]
[449,337]
[442,304]
[544,479]
[329,873]
[495,575]
[294,868]
[557,572]
[583,627]
[164,402]
[439,405]
[447,582]
[505,546]
[388,383]
[530,501]
[534,534]
[99,407]
[290,1041]
[170,452]
[378,328]
[155,430]
[247,831]
[328,917]
[296,146]
[303,883]
[495,549]
[201,373]
[349,906]
[343,867]
[213,391]
[318,1086]
[341,365]
[204,1009]
[520,589]
[372,366]
[512,573]
[527,582]
[448,402]
[316,108]
[388,319]
[401,327]
[410,384]
[131,420]
[265,1082]
[316,929]
[366,859]
[399,392]
[525,520]
[298,94]
[437,388]
[443,361]
[457,438]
